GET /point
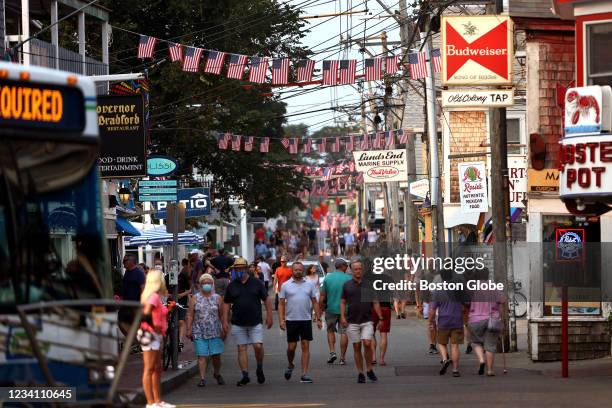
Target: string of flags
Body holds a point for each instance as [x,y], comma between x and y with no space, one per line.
[334,72]
[378,140]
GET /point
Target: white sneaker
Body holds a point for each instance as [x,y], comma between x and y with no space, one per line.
[152,406]
[164,404]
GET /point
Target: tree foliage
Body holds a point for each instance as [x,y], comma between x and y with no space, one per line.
[189,109]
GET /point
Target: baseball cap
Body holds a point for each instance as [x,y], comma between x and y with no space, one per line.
[340,262]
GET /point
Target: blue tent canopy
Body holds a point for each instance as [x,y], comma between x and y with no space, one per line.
[126,227]
[159,236]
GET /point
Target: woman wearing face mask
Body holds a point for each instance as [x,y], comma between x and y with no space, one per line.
[204,323]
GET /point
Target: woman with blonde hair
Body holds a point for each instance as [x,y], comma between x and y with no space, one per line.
[151,336]
[204,327]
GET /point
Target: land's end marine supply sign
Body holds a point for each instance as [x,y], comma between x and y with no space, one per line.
[197,203]
[379,166]
[473,187]
[34,106]
[477,50]
[122,135]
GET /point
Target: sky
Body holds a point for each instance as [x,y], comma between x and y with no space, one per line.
[324,40]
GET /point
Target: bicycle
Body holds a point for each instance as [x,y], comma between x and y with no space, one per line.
[520,301]
[168,348]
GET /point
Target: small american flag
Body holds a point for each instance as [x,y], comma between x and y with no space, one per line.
[349,145]
[348,69]
[222,140]
[175,51]
[418,65]
[146,46]
[390,140]
[393,64]
[351,166]
[248,143]
[335,147]
[192,59]
[339,168]
[236,143]
[264,145]
[330,72]
[293,145]
[305,68]
[307,146]
[280,71]
[327,173]
[359,178]
[373,69]
[437,60]
[322,143]
[235,69]
[377,140]
[364,142]
[403,137]
[214,62]
[258,70]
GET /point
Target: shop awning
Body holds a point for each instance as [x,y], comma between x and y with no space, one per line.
[453,216]
[159,236]
[126,227]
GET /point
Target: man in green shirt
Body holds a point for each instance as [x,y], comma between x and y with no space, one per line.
[331,293]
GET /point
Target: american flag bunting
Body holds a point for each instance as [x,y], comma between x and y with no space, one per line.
[214,62]
[335,147]
[330,72]
[373,69]
[377,140]
[237,63]
[321,145]
[402,136]
[146,46]
[393,64]
[248,143]
[258,70]
[307,146]
[236,142]
[348,69]
[192,59]
[305,68]
[390,140]
[222,140]
[349,145]
[418,65]
[327,173]
[293,145]
[264,145]
[437,60]
[364,142]
[280,71]
[175,52]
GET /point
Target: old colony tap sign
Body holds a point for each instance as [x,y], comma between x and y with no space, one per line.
[382,165]
[477,50]
[585,154]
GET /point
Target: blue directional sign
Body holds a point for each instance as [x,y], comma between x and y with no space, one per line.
[157,190]
[197,203]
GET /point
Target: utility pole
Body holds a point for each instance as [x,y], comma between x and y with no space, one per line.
[500,202]
[434,163]
[410,219]
[363,194]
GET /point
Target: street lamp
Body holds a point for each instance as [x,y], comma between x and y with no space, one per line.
[124,195]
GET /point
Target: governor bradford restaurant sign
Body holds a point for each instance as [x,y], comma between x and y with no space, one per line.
[477,50]
[122,135]
[379,166]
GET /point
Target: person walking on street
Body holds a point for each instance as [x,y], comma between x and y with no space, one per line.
[385,298]
[331,294]
[450,307]
[245,295]
[204,327]
[358,321]
[281,275]
[484,323]
[151,336]
[297,300]
[266,270]
[132,285]
[313,276]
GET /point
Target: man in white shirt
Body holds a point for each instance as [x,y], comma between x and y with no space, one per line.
[349,241]
[266,270]
[372,237]
[297,298]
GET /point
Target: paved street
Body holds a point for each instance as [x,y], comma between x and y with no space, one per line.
[409,379]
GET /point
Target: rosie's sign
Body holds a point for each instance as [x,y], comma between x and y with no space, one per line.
[382,165]
[477,50]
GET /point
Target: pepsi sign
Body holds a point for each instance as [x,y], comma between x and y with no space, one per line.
[197,203]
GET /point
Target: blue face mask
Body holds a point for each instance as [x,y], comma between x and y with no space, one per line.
[238,274]
[207,287]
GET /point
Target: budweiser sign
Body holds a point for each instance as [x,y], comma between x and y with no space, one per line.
[477,50]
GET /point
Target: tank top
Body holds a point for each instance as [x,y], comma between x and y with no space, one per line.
[206,323]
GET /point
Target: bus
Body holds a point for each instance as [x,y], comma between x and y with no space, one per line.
[55,278]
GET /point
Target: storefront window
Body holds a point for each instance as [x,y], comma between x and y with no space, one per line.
[599,43]
[572,257]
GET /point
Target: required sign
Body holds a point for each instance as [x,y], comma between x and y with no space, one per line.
[157,190]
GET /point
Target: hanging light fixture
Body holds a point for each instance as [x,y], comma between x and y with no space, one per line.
[124,195]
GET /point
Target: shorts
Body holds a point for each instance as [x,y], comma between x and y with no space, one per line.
[385,326]
[247,334]
[358,332]
[481,335]
[332,321]
[182,313]
[155,343]
[208,347]
[455,336]
[299,330]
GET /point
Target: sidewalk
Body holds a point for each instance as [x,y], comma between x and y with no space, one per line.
[131,380]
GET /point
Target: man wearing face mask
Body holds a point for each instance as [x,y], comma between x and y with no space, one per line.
[245,295]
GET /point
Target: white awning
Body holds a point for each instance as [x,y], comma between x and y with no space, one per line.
[453,216]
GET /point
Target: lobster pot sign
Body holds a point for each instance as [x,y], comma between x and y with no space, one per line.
[588,110]
[586,167]
[473,187]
